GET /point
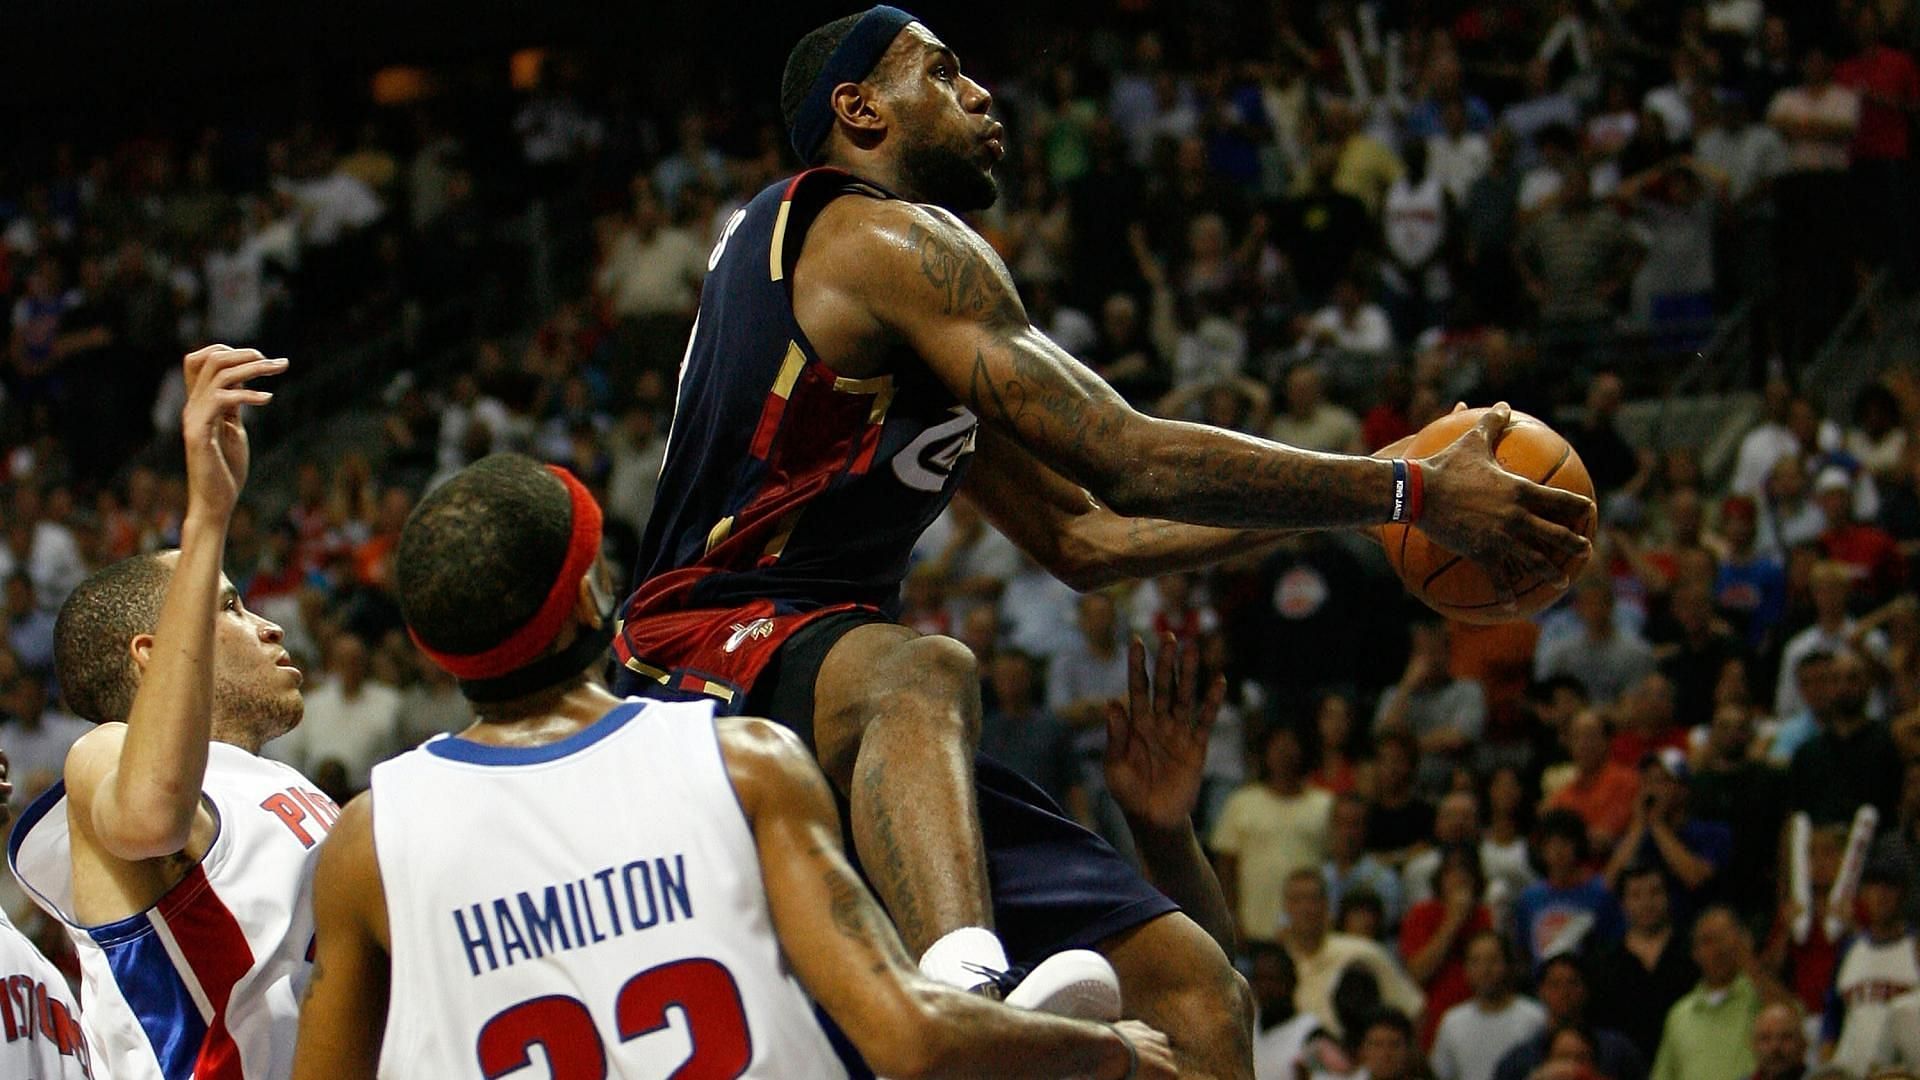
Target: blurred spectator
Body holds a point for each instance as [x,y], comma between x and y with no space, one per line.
[1833,629]
[432,705]
[1543,106]
[1436,934]
[1869,552]
[1875,966]
[1570,908]
[1489,216]
[1321,956]
[29,628]
[1309,420]
[1036,609]
[1750,584]
[1664,834]
[1853,761]
[653,268]
[1672,100]
[1021,735]
[977,559]
[1339,747]
[1365,167]
[693,162]
[1322,228]
[1887,82]
[1474,1035]
[1611,461]
[1603,656]
[1350,868]
[1347,330]
[1649,968]
[1779,1043]
[1416,226]
[1457,155]
[351,722]
[1817,119]
[1456,823]
[1646,723]
[1268,830]
[1445,714]
[1399,822]
[1575,258]
[1768,441]
[1731,785]
[1387,1050]
[1701,647]
[1562,991]
[1504,853]
[37,737]
[1709,1032]
[1280,1031]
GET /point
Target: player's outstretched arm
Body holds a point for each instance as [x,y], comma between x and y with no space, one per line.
[934,286]
[849,958]
[138,784]
[1155,763]
[343,1017]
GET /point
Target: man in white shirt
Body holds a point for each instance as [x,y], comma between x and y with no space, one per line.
[1457,156]
[652,268]
[1475,1034]
[1830,584]
[352,722]
[1321,956]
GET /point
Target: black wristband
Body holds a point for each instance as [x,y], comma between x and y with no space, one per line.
[1133,1053]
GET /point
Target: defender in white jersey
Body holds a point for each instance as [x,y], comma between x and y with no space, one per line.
[178,859]
[40,1034]
[614,888]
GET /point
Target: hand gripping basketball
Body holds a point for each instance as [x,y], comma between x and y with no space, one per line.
[1508,521]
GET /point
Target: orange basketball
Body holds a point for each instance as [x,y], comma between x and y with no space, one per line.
[1450,584]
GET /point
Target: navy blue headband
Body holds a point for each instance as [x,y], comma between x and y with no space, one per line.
[852,60]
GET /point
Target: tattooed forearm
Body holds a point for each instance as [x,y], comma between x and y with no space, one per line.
[967,283]
[855,914]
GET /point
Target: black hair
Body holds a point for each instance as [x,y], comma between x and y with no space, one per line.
[108,610]
[1545,689]
[805,62]
[1388,1017]
[1256,950]
[1570,960]
[1569,826]
[1639,869]
[478,556]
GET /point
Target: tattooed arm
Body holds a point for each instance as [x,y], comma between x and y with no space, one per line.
[924,281]
[848,957]
[343,1017]
[1080,541]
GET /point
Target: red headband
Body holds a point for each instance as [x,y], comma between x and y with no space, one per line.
[525,644]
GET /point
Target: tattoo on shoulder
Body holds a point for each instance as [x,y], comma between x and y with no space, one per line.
[967,284]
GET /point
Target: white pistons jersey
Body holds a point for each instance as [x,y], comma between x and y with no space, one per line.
[205,984]
[592,908]
[40,1036]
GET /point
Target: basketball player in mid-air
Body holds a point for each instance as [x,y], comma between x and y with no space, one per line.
[857,345]
[175,855]
[637,888]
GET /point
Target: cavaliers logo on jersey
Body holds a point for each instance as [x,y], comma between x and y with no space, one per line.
[927,462]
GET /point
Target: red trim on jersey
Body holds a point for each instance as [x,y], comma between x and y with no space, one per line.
[216,951]
[526,643]
[769,425]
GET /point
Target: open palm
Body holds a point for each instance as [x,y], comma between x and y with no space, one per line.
[1157,740]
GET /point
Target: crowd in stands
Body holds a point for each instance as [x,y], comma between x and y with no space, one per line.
[1668,829]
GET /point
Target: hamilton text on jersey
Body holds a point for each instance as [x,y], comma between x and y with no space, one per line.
[608,903]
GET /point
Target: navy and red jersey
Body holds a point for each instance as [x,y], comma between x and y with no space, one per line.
[788,489]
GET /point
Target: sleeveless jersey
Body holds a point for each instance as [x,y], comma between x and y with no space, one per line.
[599,897]
[207,982]
[40,1036]
[784,481]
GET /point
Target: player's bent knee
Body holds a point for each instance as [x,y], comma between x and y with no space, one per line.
[941,678]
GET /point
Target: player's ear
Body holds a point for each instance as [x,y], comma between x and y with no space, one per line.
[595,604]
[853,105]
[140,647]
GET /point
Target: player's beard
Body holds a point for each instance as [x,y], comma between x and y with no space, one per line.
[938,174]
[247,710]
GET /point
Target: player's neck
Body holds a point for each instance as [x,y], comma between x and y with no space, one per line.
[544,716]
[877,170]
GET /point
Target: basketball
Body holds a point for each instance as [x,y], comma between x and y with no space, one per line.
[1454,586]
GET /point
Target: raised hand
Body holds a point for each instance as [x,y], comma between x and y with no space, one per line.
[1517,531]
[1157,741]
[216,442]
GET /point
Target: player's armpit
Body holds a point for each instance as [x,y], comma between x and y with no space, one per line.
[344,1014]
[847,955]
